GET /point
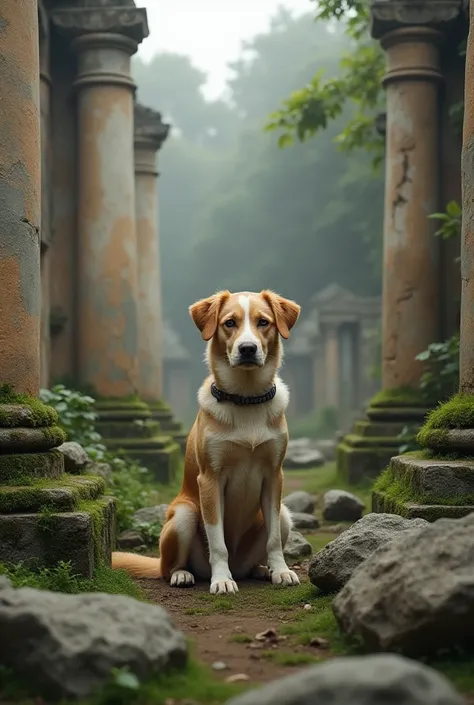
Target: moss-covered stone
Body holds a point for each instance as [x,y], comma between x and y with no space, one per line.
[357,464]
[163,464]
[33,412]
[83,537]
[138,428]
[63,494]
[31,439]
[400,396]
[439,430]
[25,468]
[382,504]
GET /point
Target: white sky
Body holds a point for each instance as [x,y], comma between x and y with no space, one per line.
[210,31]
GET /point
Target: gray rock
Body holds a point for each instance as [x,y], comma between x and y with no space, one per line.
[67,645]
[333,565]
[5,583]
[304,521]
[303,458]
[339,505]
[75,457]
[300,501]
[102,470]
[328,448]
[415,594]
[296,547]
[357,680]
[131,539]
[151,515]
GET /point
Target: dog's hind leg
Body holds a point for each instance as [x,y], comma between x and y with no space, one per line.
[176,539]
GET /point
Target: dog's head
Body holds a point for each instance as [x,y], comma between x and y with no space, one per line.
[244,327]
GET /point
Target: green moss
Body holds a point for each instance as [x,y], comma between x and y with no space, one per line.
[400,396]
[398,491]
[98,511]
[25,468]
[40,494]
[41,415]
[457,412]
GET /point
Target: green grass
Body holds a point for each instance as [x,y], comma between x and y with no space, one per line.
[62,579]
[241,639]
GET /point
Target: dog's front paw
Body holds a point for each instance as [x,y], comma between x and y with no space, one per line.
[286,577]
[182,578]
[224,587]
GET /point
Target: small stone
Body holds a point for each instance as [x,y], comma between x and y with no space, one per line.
[342,506]
[102,470]
[219,666]
[267,635]
[237,678]
[151,515]
[300,502]
[307,607]
[75,457]
[319,643]
[296,547]
[303,458]
[304,521]
[130,539]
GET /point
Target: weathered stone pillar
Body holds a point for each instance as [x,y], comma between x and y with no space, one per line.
[331,363]
[46,185]
[150,133]
[411,37]
[31,469]
[432,486]
[108,308]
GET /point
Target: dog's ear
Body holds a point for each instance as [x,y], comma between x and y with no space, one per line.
[205,313]
[286,312]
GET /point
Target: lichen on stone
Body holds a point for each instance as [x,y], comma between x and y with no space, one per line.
[41,415]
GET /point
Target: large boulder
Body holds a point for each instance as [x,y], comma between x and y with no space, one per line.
[150,515]
[296,547]
[75,457]
[300,501]
[333,565]
[357,680]
[68,645]
[415,594]
[339,505]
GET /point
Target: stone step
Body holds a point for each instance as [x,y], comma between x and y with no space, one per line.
[406,414]
[435,480]
[356,441]
[373,429]
[413,510]
[123,414]
[155,443]
[29,440]
[63,494]
[357,465]
[143,428]
[163,464]
[21,468]
[85,537]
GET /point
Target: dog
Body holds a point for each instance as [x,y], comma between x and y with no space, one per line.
[228,522]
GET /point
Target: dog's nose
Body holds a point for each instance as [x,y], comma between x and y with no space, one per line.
[247,349]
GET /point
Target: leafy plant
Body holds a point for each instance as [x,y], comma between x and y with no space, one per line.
[440,378]
[450,221]
[77,416]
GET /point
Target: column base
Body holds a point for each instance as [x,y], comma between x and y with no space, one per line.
[365,452]
[129,426]
[417,486]
[161,412]
[46,515]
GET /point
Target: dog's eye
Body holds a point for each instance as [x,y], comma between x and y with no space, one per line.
[230,323]
[262,323]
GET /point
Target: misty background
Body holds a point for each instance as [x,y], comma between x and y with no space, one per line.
[237,211]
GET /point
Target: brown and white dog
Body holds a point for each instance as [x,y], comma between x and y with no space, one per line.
[228,522]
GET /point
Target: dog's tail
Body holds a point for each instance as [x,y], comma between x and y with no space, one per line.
[137,566]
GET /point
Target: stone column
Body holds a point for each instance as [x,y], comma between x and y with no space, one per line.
[46,185]
[412,37]
[108,309]
[28,434]
[150,133]
[331,359]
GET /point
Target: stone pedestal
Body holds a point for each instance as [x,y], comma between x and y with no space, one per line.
[439,481]
[411,309]
[45,515]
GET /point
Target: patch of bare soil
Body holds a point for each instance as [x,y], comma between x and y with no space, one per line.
[228,636]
